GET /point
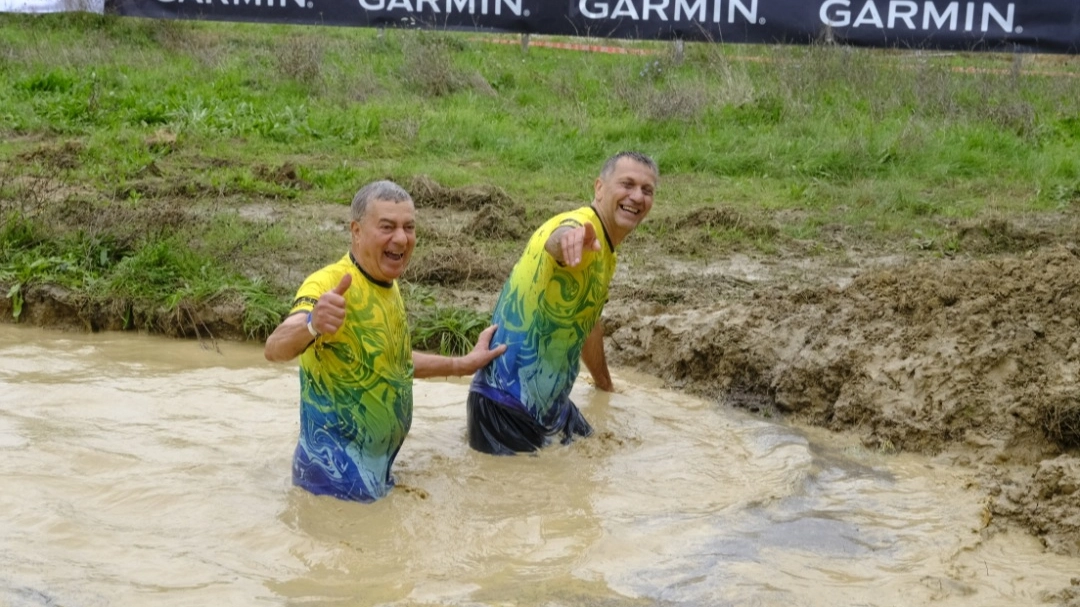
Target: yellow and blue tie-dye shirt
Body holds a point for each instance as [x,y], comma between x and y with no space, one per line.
[355,389]
[544,314]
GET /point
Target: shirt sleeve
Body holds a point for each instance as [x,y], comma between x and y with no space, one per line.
[314,286]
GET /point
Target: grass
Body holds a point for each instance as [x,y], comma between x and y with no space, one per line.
[135,154]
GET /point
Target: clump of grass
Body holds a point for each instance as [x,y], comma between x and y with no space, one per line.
[168,273]
[657,92]
[1061,422]
[448,330]
[301,58]
[428,65]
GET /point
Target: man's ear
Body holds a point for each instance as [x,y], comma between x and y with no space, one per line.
[597,186]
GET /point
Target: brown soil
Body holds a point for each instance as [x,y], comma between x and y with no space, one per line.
[974,358]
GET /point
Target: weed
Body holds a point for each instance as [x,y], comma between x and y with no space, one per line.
[429,67]
[300,58]
[1061,421]
[450,331]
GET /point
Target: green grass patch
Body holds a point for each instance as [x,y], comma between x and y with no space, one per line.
[150,138]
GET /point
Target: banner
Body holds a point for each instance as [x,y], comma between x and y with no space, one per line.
[1032,25]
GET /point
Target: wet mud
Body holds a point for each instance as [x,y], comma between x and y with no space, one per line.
[973,360]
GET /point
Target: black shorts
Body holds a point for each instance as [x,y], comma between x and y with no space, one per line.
[500,430]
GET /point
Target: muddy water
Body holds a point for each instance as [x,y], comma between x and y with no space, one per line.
[143,471]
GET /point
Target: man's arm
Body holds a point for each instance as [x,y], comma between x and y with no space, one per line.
[592,353]
[292,336]
[567,243]
[434,365]
[289,339]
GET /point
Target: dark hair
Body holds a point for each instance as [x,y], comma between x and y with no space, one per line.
[377,190]
[609,164]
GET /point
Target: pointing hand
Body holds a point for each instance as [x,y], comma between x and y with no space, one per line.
[573,242]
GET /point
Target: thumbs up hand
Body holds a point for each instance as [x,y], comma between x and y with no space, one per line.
[329,313]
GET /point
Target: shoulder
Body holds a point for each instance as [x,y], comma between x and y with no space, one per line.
[320,281]
[575,218]
[579,216]
[331,273]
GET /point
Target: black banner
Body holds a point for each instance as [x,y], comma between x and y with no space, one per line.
[1032,25]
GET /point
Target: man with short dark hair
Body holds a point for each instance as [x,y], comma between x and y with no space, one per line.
[548,316]
[349,328]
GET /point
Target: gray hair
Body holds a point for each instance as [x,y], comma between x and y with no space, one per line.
[609,164]
[377,190]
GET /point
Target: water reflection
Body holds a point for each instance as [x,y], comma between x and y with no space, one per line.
[144,471]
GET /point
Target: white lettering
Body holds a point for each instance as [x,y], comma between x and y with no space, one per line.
[514,6]
[432,3]
[912,9]
[268,3]
[838,18]
[461,5]
[625,8]
[665,10]
[377,5]
[869,14]
[1006,24]
[601,12]
[750,14]
[402,4]
[950,13]
[682,9]
[657,8]
[905,14]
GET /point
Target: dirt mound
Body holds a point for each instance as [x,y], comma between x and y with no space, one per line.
[499,223]
[456,267]
[1000,236]
[694,233]
[983,354]
[1045,500]
[426,192]
[56,157]
[284,175]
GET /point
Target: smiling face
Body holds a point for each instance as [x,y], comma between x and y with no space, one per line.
[624,197]
[384,238]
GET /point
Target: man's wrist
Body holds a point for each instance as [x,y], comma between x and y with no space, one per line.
[311,327]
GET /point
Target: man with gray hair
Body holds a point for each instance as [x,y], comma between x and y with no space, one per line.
[349,328]
[548,316]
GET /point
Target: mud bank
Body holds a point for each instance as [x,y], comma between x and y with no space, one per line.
[972,360]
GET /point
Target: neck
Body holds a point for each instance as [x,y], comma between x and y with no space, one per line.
[613,238]
[366,274]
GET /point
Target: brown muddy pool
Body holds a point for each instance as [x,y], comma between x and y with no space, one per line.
[140,471]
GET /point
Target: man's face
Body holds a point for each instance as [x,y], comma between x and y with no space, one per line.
[625,197]
[384,238]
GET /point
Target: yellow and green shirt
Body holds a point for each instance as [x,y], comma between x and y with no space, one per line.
[545,312]
[355,389]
